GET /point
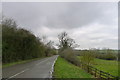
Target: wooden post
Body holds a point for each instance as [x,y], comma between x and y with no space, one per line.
[108,76]
[95,72]
[88,68]
[81,65]
[100,74]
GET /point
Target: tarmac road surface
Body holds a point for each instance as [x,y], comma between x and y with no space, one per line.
[35,69]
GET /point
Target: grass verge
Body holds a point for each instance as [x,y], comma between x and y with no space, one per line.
[64,69]
[19,62]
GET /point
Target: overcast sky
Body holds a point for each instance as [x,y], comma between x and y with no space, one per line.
[91,24]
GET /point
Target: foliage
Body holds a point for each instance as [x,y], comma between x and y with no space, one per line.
[50,50]
[20,44]
[66,45]
[88,57]
[64,69]
[107,55]
[69,55]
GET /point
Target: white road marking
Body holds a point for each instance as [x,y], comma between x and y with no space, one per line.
[18,74]
[51,72]
[41,62]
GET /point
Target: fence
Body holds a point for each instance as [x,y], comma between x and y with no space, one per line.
[98,73]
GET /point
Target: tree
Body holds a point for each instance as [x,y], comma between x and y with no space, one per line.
[66,45]
[65,41]
[50,44]
[49,48]
[20,44]
[9,22]
[88,57]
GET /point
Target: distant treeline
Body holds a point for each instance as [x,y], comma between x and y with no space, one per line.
[20,44]
[107,54]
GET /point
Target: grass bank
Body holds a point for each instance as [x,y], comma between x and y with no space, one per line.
[64,69]
[109,66]
[19,62]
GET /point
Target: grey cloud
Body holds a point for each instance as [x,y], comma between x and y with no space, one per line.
[58,15]
[51,18]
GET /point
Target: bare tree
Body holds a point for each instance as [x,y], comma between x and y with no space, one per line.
[65,41]
[50,44]
[9,22]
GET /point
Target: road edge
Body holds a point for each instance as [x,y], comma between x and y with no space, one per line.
[51,72]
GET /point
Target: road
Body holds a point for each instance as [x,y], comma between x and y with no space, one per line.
[35,69]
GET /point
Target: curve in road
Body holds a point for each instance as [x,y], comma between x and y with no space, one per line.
[36,69]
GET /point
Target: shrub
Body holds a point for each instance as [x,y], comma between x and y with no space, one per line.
[108,55]
[69,55]
[88,57]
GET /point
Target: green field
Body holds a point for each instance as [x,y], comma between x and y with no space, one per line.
[109,66]
[64,69]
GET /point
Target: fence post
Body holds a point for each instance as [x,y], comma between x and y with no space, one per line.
[81,65]
[100,74]
[95,72]
[88,68]
[108,77]
[84,66]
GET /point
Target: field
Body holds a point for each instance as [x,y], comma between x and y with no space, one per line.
[64,69]
[109,66]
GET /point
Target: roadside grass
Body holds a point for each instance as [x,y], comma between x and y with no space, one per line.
[19,62]
[64,69]
[109,66]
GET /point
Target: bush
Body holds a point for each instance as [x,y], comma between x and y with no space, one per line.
[88,57]
[108,55]
[101,54]
[69,55]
